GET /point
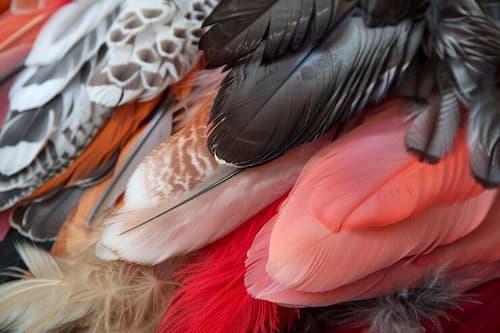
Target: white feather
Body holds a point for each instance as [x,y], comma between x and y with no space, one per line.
[152,45]
[66,27]
[20,155]
[37,85]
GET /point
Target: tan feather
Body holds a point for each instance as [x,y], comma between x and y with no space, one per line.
[81,293]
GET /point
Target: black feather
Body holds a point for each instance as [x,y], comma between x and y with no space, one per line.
[401,312]
[467,39]
[491,8]
[263,110]
[238,27]
[390,12]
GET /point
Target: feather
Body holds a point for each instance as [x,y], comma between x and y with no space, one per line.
[222,303]
[18,33]
[434,129]
[76,122]
[4,5]
[466,38]
[484,137]
[402,311]
[239,27]
[32,219]
[44,82]
[201,219]
[480,246]
[68,27]
[20,28]
[156,131]
[390,12]
[151,45]
[262,110]
[42,218]
[99,198]
[299,248]
[491,8]
[4,224]
[82,293]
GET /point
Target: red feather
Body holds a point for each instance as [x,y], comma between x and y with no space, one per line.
[212,294]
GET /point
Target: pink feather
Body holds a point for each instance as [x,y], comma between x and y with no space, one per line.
[362,210]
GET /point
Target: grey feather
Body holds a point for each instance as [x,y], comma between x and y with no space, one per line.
[390,12]
[43,83]
[42,218]
[484,137]
[401,312]
[436,124]
[77,121]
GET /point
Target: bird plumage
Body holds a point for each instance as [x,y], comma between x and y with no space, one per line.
[118,147]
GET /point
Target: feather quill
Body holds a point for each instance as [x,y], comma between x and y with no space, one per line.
[263,110]
[151,45]
[189,169]
[82,293]
[222,303]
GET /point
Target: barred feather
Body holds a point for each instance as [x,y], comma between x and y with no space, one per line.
[151,45]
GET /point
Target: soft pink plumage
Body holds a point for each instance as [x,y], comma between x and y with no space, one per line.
[361,211]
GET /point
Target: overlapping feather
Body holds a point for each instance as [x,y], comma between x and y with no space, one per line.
[238,27]
[75,121]
[53,129]
[151,45]
[82,293]
[325,223]
[176,219]
[212,293]
[265,109]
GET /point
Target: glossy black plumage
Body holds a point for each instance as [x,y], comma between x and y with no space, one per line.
[238,27]
[284,90]
[298,98]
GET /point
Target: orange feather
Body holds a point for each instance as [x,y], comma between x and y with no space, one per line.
[4,5]
[22,27]
[111,138]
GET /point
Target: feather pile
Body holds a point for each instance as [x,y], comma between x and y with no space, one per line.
[212,293]
[334,166]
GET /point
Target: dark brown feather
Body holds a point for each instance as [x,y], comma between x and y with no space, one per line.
[239,27]
[262,110]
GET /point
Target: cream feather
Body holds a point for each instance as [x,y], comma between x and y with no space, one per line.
[81,293]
